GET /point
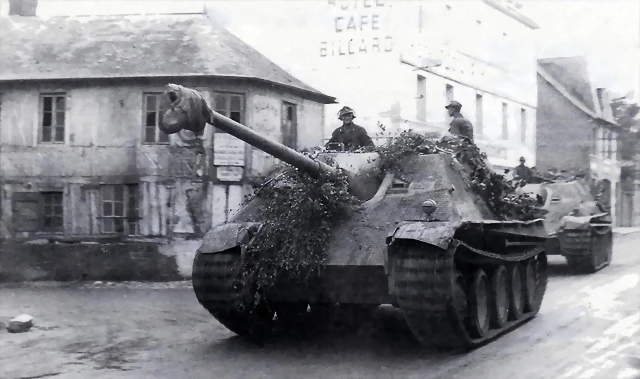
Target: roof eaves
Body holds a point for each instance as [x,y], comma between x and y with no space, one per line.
[326,99]
[560,88]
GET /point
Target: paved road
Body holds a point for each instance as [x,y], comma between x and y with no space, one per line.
[588,327]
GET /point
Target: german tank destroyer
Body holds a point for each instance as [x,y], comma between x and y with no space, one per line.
[423,242]
[578,227]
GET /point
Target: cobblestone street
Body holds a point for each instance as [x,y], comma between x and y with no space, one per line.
[589,327]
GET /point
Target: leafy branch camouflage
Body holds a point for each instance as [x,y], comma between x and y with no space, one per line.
[299,212]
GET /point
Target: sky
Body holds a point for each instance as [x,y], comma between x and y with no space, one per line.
[606,31]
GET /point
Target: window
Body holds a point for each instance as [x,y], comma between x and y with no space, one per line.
[52,118]
[606,144]
[613,145]
[120,209]
[289,125]
[523,125]
[449,93]
[421,99]
[153,134]
[38,212]
[603,145]
[449,98]
[505,121]
[52,215]
[479,116]
[229,105]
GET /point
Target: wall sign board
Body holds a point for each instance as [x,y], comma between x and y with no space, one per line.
[228,150]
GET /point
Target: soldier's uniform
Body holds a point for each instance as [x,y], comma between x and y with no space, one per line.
[351,135]
[459,125]
[523,171]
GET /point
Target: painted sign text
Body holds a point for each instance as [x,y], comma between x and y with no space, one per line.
[358,30]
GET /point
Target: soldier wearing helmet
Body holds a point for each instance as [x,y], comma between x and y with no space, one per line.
[522,171]
[459,125]
[351,135]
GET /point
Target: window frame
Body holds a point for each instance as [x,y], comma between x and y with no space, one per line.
[479,127]
[227,109]
[421,98]
[145,111]
[450,95]
[44,215]
[523,125]
[54,119]
[289,139]
[602,137]
[39,199]
[128,218]
[505,121]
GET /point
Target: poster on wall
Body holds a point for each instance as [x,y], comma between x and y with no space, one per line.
[229,173]
[228,150]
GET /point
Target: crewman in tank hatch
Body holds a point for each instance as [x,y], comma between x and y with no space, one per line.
[522,171]
[459,125]
[351,135]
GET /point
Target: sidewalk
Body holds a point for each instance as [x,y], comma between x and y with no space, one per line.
[626,230]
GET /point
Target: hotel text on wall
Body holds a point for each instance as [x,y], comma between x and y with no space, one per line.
[358,29]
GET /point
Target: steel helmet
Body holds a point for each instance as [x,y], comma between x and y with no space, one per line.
[346,110]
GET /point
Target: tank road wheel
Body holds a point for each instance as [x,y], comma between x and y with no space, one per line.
[499,297]
[479,314]
[516,292]
[535,282]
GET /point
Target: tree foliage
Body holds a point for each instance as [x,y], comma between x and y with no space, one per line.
[298,214]
[625,113]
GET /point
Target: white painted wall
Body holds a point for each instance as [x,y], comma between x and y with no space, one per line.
[482,51]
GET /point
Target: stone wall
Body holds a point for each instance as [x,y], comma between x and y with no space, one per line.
[41,260]
[563,132]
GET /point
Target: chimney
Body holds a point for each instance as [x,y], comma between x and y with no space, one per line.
[25,8]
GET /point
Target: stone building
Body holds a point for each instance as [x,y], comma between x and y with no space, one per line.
[576,130]
[80,151]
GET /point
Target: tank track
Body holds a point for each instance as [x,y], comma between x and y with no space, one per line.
[428,288]
[423,282]
[213,279]
[587,251]
[213,276]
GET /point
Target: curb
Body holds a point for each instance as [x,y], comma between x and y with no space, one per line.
[185,284]
[626,232]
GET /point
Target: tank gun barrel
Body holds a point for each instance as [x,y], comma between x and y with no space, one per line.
[275,149]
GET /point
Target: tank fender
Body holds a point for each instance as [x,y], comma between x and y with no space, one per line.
[583,222]
[438,234]
[226,236]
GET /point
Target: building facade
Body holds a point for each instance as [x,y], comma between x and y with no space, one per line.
[80,150]
[576,131]
[398,63]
